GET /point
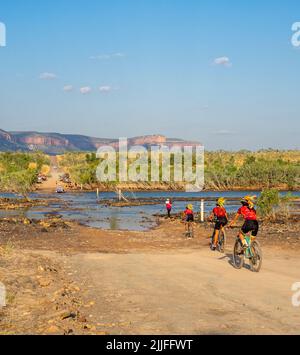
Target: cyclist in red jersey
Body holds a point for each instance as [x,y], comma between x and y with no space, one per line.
[188,216]
[248,212]
[169,207]
[219,213]
[189,213]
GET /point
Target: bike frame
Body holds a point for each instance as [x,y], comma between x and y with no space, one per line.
[222,230]
[189,228]
[248,252]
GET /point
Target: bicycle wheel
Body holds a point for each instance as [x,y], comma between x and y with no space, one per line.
[212,240]
[238,255]
[191,231]
[222,241]
[256,260]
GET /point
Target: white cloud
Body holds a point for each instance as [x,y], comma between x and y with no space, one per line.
[68,88]
[224,132]
[100,57]
[108,56]
[85,90]
[119,55]
[223,61]
[105,89]
[48,76]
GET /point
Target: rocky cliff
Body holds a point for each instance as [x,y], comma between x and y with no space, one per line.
[8,143]
[55,143]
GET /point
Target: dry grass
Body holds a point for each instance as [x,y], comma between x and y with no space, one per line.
[6,249]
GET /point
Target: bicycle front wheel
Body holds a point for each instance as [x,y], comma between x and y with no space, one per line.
[256,259]
[222,242]
[191,231]
[238,255]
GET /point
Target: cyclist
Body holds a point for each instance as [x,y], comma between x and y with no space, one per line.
[250,216]
[220,215]
[169,207]
[188,216]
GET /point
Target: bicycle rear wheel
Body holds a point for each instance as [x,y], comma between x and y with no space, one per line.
[212,240]
[190,231]
[256,260]
[238,255]
[222,241]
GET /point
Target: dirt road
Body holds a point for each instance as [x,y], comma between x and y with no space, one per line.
[189,293]
[51,184]
[157,282]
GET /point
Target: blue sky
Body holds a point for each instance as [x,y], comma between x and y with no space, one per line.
[224,73]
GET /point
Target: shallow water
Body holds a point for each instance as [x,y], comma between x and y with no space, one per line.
[84,207]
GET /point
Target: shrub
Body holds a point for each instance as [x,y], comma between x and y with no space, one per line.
[271,204]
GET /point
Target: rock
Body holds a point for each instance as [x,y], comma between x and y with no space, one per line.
[68,315]
[101,333]
[45,224]
[82,319]
[52,330]
[90,327]
[44,282]
[27,221]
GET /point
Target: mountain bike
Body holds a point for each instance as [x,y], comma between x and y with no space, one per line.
[221,245]
[253,253]
[190,230]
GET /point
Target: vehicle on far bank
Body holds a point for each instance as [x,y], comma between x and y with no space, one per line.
[60,190]
[65,178]
[41,178]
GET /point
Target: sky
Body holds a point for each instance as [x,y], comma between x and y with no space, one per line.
[224,73]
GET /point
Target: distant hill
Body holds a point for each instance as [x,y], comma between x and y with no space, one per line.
[56,143]
[8,142]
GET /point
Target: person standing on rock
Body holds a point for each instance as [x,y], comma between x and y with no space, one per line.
[169,206]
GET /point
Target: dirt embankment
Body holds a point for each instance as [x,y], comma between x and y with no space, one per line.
[41,296]
[55,234]
[10,204]
[168,187]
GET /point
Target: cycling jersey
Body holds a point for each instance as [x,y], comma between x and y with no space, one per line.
[219,212]
[249,214]
[188,212]
[169,206]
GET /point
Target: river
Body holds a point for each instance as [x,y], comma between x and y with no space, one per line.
[85,208]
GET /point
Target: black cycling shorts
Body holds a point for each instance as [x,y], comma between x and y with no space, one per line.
[190,218]
[220,223]
[251,226]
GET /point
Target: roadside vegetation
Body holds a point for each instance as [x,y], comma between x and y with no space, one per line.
[272,205]
[18,171]
[266,169]
[247,170]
